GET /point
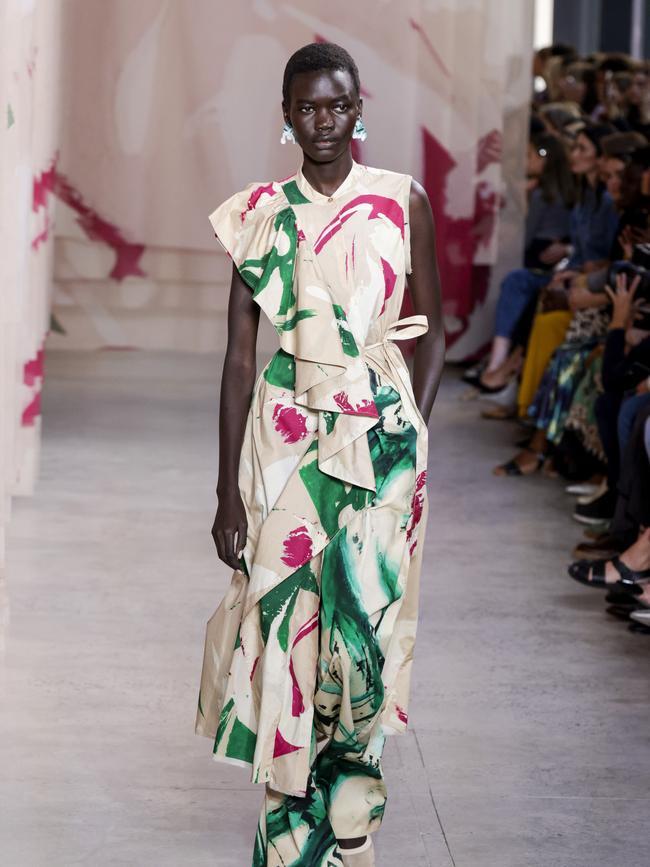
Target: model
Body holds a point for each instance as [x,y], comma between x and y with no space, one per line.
[322,498]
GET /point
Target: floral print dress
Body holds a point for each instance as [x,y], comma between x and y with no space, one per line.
[308,657]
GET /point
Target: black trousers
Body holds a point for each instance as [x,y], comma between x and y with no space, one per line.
[633,503]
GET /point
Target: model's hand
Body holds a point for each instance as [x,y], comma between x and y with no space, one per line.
[230,528]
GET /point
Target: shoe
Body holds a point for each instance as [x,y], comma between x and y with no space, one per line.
[629,579]
[603,548]
[620,612]
[595,533]
[621,598]
[363,856]
[597,511]
[473,374]
[641,616]
[511,467]
[582,489]
[584,499]
[504,396]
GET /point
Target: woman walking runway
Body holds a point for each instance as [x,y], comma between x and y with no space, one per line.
[322,476]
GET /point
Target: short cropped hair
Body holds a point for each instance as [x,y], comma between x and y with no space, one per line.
[317,56]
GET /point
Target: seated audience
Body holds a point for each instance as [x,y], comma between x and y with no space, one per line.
[572,332]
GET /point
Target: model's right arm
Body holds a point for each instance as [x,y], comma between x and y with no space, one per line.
[239,369]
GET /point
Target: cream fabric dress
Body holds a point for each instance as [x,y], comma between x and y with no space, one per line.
[313,641]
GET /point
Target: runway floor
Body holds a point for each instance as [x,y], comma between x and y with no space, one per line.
[529,738]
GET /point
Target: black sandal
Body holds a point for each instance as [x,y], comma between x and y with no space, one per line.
[628,581]
[512,468]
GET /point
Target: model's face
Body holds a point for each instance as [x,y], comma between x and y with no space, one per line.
[613,175]
[584,157]
[323,111]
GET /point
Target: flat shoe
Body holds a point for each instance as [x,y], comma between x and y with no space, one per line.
[604,549]
[579,571]
[512,468]
[364,856]
[620,612]
[621,597]
[582,489]
[641,616]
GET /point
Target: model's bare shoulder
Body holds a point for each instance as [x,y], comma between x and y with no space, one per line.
[418,199]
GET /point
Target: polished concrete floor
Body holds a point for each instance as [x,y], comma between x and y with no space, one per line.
[529,744]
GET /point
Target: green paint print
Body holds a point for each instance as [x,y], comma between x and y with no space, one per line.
[347,340]
[241,743]
[281,370]
[329,418]
[330,496]
[281,600]
[290,324]
[285,221]
[293,194]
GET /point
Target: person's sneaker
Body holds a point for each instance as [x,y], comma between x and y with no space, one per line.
[597,511]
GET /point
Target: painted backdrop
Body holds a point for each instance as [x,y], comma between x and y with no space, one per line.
[29,138]
[170,106]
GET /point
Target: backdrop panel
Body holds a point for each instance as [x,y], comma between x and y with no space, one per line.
[178,106]
[29,88]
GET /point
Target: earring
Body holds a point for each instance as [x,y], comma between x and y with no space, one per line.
[287,134]
[360,131]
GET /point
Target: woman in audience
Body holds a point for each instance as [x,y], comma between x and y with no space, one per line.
[594,223]
[546,243]
[581,451]
[578,84]
[592,230]
[585,384]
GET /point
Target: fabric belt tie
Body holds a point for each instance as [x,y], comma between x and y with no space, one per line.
[387,358]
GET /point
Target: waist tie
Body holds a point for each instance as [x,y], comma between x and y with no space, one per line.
[388,359]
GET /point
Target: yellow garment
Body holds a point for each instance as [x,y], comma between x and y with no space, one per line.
[547,334]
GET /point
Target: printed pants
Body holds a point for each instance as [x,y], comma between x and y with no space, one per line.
[346,794]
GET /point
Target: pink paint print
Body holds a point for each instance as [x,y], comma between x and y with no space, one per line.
[377,206]
[364,407]
[297,547]
[290,423]
[282,747]
[402,715]
[390,278]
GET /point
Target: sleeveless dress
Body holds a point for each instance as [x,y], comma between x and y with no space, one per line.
[308,657]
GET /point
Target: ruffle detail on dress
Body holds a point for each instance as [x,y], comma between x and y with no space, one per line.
[259,230]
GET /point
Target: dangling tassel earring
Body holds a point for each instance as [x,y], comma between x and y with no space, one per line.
[287,134]
[360,131]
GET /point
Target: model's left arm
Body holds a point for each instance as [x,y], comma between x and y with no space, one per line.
[424,284]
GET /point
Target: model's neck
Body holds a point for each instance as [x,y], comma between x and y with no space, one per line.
[327,177]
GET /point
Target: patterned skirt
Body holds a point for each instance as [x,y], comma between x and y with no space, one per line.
[554,398]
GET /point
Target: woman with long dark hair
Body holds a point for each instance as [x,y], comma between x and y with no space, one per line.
[594,223]
[322,476]
[546,242]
